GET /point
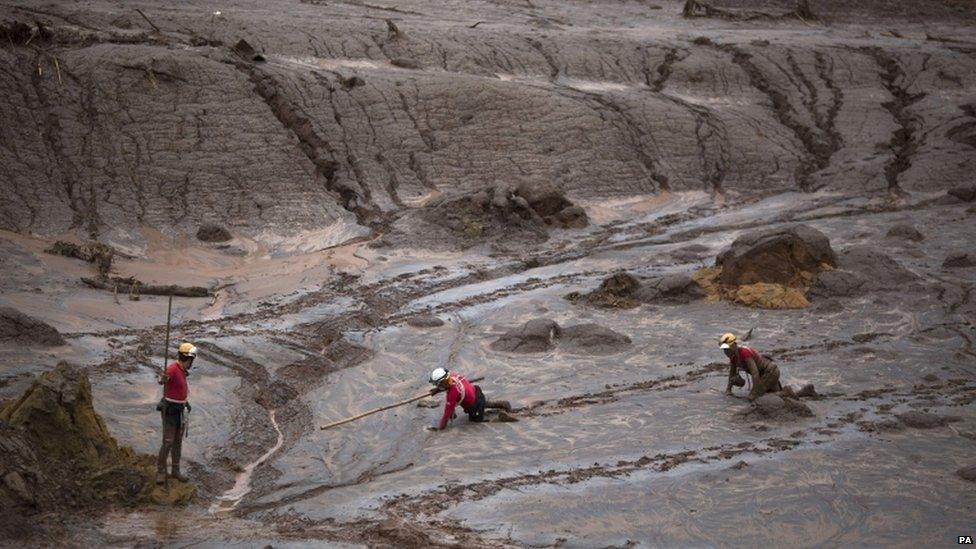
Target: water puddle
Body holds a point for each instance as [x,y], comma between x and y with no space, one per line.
[242,486]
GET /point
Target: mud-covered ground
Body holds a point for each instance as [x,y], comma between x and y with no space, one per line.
[355,157]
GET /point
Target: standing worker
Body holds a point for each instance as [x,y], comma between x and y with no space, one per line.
[764,372]
[173,408]
[461,391]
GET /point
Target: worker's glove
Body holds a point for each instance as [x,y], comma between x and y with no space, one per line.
[188,407]
[163,379]
[434,391]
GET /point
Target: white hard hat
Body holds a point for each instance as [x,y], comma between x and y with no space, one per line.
[438,375]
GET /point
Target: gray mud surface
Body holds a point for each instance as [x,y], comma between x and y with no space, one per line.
[369,190]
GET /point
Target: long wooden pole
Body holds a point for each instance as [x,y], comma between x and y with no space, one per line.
[382,408]
[169,314]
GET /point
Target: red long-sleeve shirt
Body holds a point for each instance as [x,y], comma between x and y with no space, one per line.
[175,389]
[461,392]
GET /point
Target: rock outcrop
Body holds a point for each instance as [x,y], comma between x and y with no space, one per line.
[56,453]
[771,269]
[959,260]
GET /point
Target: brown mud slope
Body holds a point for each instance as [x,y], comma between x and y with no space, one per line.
[346,194]
[58,454]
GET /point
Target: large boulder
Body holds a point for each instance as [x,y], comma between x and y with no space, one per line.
[16,327]
[535,336]
[862,269]
[788,255]
[674,288]
[592,339]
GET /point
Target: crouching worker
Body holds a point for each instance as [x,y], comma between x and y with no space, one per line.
[764,372]
[173,407]
[461,391]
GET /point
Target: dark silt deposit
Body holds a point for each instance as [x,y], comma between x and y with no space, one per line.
[568,201]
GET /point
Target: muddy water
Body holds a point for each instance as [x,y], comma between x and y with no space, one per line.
[644,436]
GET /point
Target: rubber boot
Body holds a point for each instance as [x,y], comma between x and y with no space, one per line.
[177,452]
[502,404]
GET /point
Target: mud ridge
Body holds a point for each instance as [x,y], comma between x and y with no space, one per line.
[904,142]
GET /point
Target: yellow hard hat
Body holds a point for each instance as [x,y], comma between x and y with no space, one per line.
[188,349]
[726,340]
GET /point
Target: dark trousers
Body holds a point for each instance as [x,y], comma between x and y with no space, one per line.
[477,412]
[768,381]
[172,415]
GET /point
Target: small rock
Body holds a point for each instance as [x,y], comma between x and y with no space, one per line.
[967,473]
[905,231]
[930,378]
[808,391]
[210,232]
[966,193]
[535,336]
[425,321]
[959,260]
[739,466]
[405,63]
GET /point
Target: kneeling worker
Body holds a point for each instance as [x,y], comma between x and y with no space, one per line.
[461,391]
[764,372]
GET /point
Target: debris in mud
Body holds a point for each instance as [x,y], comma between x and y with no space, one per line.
[101,255]
[425,321]
[770,406]
[551,204]
[210,232]
[905,231]
[959,260]
[592,339]
[17,327]
[698,8]
[57,453]
[135,287]
[860,270]
[965,193]
[967,473]
[542,334]
[499,214]
[770,269]
[924,420]
[739,466]
[535,336]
